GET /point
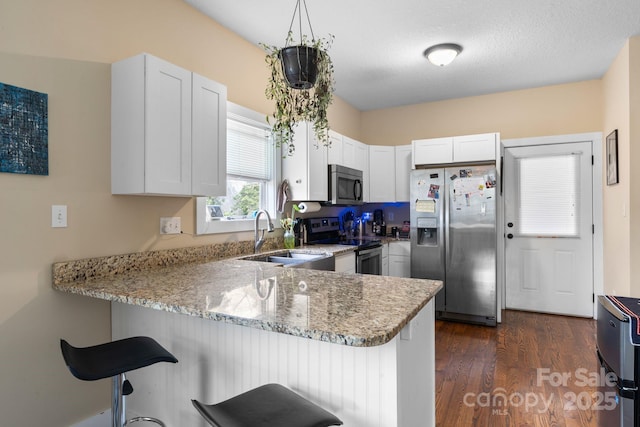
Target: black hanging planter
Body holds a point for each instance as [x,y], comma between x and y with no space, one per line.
[300,66]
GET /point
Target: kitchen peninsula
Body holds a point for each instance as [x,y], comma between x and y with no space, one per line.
[361,346]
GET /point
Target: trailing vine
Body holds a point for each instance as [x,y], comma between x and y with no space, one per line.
[293,106]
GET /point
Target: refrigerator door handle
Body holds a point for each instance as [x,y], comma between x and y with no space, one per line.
[445,229]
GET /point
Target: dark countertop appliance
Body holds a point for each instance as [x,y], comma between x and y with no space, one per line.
[327,231]
[379,226]
[618,350]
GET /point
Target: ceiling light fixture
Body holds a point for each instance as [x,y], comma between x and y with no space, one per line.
[443,54]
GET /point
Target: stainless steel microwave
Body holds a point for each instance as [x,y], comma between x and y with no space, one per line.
[345,185]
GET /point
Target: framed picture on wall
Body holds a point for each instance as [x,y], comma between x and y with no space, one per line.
[612,158]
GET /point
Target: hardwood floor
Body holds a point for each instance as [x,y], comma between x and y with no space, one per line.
[512,375]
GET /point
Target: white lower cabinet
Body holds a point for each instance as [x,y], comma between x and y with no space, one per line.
[346,263]
[400,258]
[385,259]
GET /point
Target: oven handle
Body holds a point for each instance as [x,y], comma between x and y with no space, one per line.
[368,251]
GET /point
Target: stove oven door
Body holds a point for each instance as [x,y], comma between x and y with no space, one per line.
[369,261]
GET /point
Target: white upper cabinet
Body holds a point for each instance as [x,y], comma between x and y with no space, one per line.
[432,151]
[335,150]
[209,136]
[473,148]
[362,163]
[382,180]
[306,170]
[457,149]
[168,130]
[403,170]
[349,152]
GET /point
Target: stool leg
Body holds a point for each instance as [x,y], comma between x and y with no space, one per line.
[146,419]
[118,409]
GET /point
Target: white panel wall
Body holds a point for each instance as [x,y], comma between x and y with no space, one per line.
[218,361]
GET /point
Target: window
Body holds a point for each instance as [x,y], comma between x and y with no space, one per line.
[548,195]
[252,174]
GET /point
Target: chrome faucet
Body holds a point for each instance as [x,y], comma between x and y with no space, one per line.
[260,241]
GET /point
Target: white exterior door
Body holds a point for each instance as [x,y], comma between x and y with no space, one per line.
[548,228]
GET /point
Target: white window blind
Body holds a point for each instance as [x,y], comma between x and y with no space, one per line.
[249,152]
[549,188]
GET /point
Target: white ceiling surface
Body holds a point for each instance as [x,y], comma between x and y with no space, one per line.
[508,44]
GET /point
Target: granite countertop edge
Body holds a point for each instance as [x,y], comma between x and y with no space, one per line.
[133,286]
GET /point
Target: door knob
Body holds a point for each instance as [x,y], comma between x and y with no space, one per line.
[509,236]
[510,224]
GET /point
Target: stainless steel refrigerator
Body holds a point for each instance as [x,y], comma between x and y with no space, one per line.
[453,239]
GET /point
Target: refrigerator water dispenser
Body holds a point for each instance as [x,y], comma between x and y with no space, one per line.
[427,232]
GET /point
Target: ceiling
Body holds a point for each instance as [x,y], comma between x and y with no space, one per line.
[507,44]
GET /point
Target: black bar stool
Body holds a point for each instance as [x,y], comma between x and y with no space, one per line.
[114,359]
[270,405]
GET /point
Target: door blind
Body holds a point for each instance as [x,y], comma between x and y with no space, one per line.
[549,188]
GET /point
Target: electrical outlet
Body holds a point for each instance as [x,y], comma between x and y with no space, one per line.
[170,225]
[58,216]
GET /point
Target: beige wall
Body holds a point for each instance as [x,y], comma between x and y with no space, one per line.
[107,31]
[616,202]
[32,316]
[621,202]
[63,48]
[634,158]
[552,110]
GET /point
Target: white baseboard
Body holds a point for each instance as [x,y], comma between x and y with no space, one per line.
[103,419]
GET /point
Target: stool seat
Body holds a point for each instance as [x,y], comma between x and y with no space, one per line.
[270,405]
[113,358]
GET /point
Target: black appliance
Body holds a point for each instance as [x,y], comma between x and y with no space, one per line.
[617,329]
[345,185]
[327,231]
[378,225]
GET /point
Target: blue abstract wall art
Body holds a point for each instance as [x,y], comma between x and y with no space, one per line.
[24,129]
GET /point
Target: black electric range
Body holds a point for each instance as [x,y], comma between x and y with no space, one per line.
[327,231]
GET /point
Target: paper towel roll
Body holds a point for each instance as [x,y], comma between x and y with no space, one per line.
[309,207]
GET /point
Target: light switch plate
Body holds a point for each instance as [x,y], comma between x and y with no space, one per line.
[58,216]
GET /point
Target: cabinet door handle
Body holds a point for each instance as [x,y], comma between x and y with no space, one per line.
[509,236]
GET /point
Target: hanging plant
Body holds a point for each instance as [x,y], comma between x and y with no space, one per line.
[301,84]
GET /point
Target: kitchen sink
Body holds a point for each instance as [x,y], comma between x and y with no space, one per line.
[295,259]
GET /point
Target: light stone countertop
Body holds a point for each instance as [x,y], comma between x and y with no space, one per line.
[348,309]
